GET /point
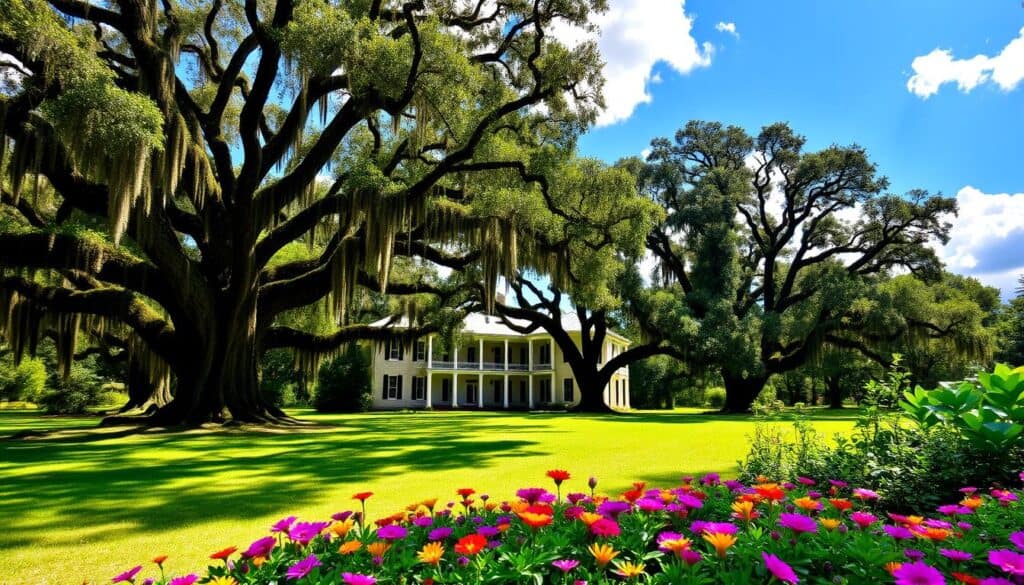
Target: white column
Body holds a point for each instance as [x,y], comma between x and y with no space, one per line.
[626,382]
[551,345]
[430,399]
[480,388]
[506,360]
[481,358]
[607,392]
[553,389]
[530,393]
[455,390]
[455,357]
[504,401]
[430,353]
[529,356]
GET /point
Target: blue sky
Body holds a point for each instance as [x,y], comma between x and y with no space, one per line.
[842,72]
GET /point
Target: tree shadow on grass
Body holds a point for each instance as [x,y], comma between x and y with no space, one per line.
[152,481]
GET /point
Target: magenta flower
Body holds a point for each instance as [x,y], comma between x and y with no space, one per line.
[127,576]
[806,480]
[1017,538]
[534,495]
[341,516]
[565,565]
[898,532]
[186,580]
[575,498]
[690,501]
[798,523]
[1008,561]
[439,533]
[613,508]
[303,532]
[779,569]
[303,567]
[260,548]
[423,521]
[957,556]
[283,525]
[690,557]
[838,483]
[357,579]
[392,532]
[605,527]
[995,581]
[918,574]
[650,505]
[863,519]
[700,527]
[865,494]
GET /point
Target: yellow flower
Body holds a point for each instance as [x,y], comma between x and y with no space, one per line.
[258,561]
[603,553]
[914,520]
[223,581]
[589,518]
[377,549]
[830,523]
[667,497]
[720,541]
[629,569]
[431,553]
[340,529]
[744,510]
[676,545]
[350,547]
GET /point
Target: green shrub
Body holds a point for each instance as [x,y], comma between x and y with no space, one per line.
[714,397]
[25,382]
[343,384]
[79,393]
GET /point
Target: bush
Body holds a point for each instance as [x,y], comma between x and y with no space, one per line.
[78,394]
[26,382]
[698,532]
[343,384]
[714,397]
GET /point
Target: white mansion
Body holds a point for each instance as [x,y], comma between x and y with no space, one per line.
[498,369]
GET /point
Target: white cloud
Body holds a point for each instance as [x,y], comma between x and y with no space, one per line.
[933,70]
[987,239]
[635,35]
[727,27]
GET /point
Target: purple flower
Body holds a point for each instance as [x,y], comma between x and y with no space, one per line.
[798,523]
[700,527]
[439,533]
[148,581]
[806,480]
[186,580]
[488,531]
[649,505]
[1008,561]
[303,567]
[968,490]
[838,483]
[260,548]
[423,521]
[283,525]
[938,524]
[711,479]
[575,498]
[995,581]
[613,508]
[128,575]
[392,532]
[690,501]
[918,574]
[357,579]
[1017,538]
[949,510]
[565,565]
[734,485]
[957,556]
[863,519]
[303,532]
[690,556]
[342,516]
[898,532]
[533,495]
[913,554]
[779,568]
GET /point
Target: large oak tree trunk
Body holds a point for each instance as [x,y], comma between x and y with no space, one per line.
[145,394]
[740,392]
[592,395]
[835,392]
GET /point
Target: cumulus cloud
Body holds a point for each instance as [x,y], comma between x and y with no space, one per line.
[987,239]
[633,36]
[727,27]
[939,67]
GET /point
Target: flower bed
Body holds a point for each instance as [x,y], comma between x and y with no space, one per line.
[703,531]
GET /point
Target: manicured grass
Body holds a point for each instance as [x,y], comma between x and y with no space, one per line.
[83,503]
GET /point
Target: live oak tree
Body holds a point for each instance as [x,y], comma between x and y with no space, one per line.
[210,135]
[769,246]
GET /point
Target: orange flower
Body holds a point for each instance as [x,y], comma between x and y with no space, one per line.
[471,544]
[841,504]
[589,518]
[160,559]
[465,492]
[629,570]
[362,496]
[431,553]
[603,553]
[807,504]
[258,561]
[744,510]
[892,566]
[520,506]
[341,529]
[721,541]
[934,534]
[377,549]
[534,520]
[223,554]
[667,497]
[830,523]
[490,506]
[973,502]
[559,475]
[430,503]
[676,545]
[914,520]
[504,526]
[349,547]
[771,492]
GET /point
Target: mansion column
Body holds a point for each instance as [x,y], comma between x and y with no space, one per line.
[504,402]
[480,387]
[455,387]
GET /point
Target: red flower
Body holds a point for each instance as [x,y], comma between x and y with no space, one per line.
[841,504]
[223,554]
[465,492]
[471,544]
[965,578]
[633,495]
[559,475]
[362,496]
[160,559]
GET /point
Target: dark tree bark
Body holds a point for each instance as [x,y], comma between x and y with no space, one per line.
[145,394]
[740,392]
[835,392]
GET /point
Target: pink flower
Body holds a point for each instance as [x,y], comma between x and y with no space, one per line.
[1017,538]
[798,523]
[128,575]
[186,580]
[357,579]
[605,527]
[283,525]
[779,569]
[957,556]
[1008,561]
[863,519]
[690,557]
[865,494]
[918,574]
[303,567]
[898,532]
[565,565]
[260,548]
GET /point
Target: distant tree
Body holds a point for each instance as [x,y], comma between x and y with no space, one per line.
[770,246]
[343,384]
[161,155]
[1010,329]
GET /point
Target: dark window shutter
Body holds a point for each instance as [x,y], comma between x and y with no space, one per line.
[399,387]
[384,392]
[401,355]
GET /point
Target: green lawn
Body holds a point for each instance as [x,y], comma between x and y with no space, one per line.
[83,503]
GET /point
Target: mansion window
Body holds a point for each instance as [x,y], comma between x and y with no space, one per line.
[392,387]
[545,354]
[419,388]
[421,351]
[394,350]
[471,391]
[545,391]
[567,390]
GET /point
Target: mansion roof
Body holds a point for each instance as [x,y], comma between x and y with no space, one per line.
[491,325]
